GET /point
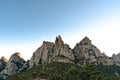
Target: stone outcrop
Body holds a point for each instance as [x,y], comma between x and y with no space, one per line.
[105,60]
[3,62]
[52,52]
[85,51]
[62,52]
[13,65]
[116,59]
[42,54]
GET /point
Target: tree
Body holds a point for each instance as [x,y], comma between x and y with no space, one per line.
[72,74]
[89,72]
[56,75]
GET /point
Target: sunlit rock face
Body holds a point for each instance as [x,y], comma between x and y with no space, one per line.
[3,62]
[58,51]
[13,65]
[85,51]
[62,52]
[52,52]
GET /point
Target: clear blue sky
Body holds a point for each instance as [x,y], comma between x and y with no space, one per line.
[24,23]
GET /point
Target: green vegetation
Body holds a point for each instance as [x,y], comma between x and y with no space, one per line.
[110,72]
[67,71]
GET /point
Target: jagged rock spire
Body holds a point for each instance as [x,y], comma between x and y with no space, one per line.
[59,42]
[52,52]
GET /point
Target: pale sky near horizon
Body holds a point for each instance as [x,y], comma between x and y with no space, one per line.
[25,24]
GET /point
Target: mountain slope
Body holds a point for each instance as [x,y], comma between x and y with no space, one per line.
[67,71]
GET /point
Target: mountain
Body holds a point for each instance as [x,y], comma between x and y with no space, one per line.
[83,53]
[13,65]
[52,52]
[3,62]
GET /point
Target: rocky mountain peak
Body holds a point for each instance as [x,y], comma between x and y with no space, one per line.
[13,65]
[113,55]
[52,52]
[15,56]
[85,41]
[4,59]
[3,62]
[59,42]
[85,51]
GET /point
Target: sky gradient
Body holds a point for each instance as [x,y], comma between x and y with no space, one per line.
[25,24]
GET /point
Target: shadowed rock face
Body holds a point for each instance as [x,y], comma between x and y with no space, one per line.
[116,58]
[85,51]
[52,52]
[13,65]
[24,67]
[3,62]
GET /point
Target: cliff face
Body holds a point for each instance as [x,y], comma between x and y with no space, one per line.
[62,52]
[116,59]
[52,52]
[42,54]
[13,65]
[3,62]
[85,51]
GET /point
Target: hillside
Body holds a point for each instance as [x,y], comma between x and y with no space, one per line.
[67,71]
